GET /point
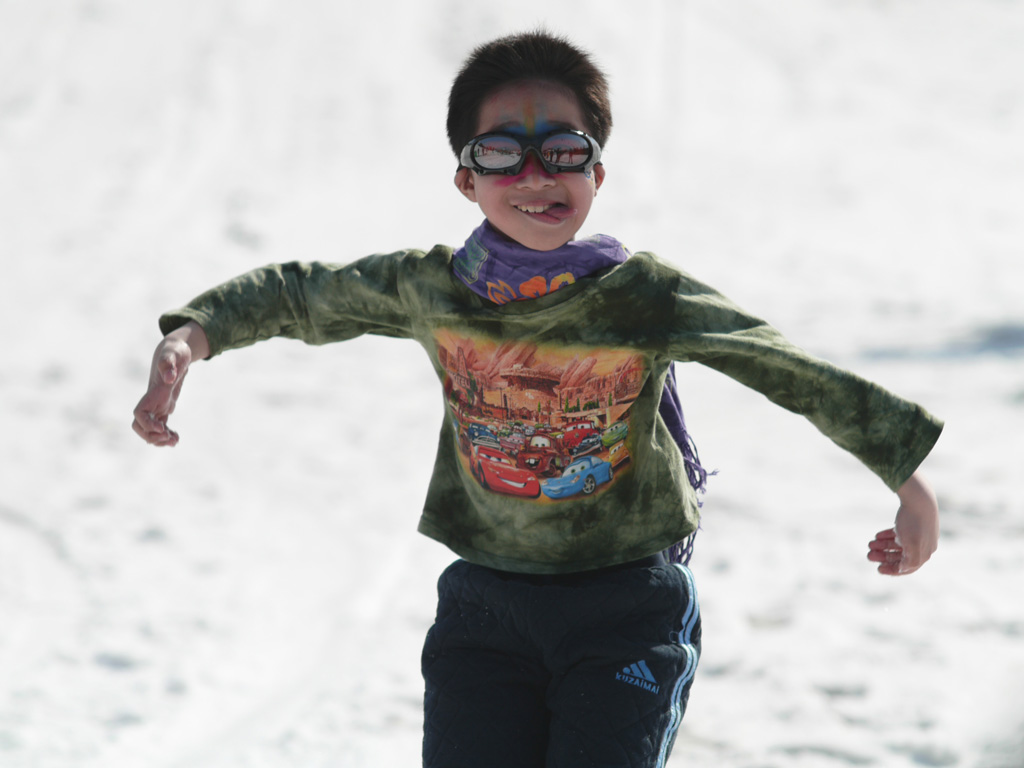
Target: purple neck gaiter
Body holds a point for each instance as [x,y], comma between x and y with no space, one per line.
[503,270]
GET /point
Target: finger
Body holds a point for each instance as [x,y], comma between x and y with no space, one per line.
[895,562]
[149,423]
[167,368]
[896,569]
[912,560]
[889,534]
[151,412]
[886,556]
[888,569]
[145,421]
[157,434]
[176,391]
[882,544]
[147,431]
[158,402]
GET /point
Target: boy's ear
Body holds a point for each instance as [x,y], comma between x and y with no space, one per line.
[598,176]
[466,183]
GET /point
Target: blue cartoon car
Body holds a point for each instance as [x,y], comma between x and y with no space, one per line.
[481,435]
[582,476]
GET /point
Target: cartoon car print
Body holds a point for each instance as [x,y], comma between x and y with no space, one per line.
[481,435]
[587,444]
[497,472]
[543,455]
[614,434]
[576,431]
[582,476]
[513,443]
[618,454]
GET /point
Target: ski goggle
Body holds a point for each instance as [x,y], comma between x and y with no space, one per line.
[560,151]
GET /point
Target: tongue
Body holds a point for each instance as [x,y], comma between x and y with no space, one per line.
[555,213]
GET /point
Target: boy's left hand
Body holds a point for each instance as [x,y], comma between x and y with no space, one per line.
[906,547]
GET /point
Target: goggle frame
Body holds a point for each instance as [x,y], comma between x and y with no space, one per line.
[467,158]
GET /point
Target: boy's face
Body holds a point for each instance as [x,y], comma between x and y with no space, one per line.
[539,210]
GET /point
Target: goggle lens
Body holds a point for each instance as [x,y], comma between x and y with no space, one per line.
[497,152]
[566,149]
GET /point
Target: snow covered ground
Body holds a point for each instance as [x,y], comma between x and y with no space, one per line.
[257,597]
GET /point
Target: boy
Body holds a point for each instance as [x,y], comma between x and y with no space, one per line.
[564,637]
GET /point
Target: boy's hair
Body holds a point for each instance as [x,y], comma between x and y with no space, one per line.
[527,56]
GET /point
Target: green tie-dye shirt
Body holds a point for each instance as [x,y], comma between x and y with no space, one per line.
[552,457]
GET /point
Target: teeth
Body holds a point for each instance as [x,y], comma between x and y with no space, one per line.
[535,208]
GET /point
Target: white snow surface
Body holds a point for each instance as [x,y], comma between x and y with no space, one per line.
[853,170]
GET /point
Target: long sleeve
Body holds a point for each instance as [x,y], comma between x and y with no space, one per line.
[315,302]
[890,435]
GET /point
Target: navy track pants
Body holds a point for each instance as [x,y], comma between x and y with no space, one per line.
[588,670]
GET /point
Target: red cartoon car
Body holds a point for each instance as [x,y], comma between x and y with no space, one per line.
[543,455]
[497,472]
[581,435]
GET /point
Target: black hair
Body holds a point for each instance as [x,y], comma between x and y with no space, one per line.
[527,56]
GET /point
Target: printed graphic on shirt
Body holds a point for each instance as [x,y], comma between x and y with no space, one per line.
[540,422]
[501,292]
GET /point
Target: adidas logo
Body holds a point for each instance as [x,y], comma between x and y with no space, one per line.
[639,675]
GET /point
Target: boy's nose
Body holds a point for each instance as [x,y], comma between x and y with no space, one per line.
[533,172]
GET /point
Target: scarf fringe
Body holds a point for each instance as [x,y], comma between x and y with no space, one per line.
[682,551]
[672,413]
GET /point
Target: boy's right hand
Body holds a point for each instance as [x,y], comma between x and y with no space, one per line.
[903,549]
[171,360]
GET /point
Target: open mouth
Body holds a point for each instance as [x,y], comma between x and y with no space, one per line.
[546,211]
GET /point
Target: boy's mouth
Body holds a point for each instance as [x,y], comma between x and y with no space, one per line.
[550,212]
